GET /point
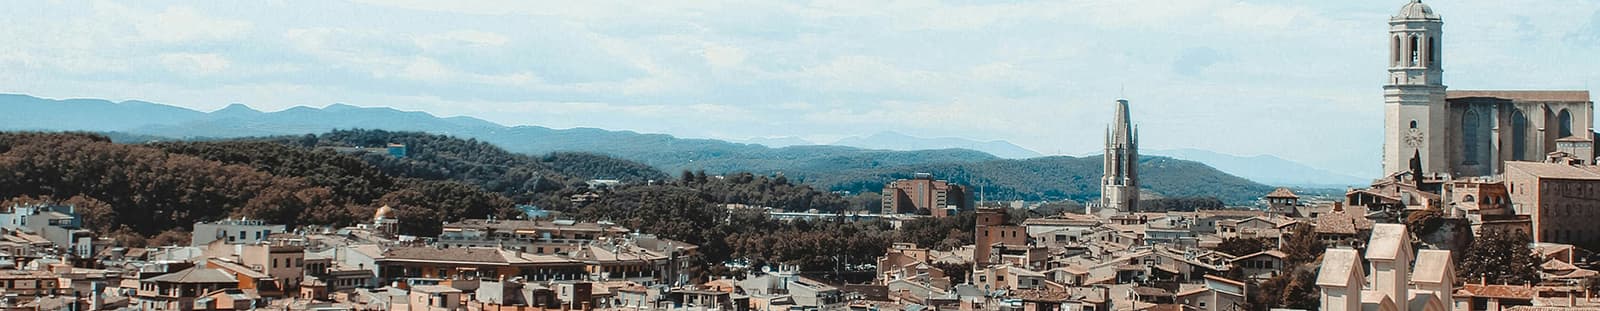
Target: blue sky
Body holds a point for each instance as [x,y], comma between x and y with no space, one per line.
[1296,79]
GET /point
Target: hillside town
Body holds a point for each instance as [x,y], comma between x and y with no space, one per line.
[1489,201]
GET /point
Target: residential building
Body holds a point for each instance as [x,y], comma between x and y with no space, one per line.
[233,231]
[1561,200]
[923,194]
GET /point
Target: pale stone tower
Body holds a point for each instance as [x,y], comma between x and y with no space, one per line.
[1119,187]
[1389,251]
[1415,115]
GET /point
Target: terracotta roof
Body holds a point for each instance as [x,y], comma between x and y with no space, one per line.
[1224,280]
[1166,307]
[1270,252]
[195,275]
[1282,192]
[1151,292]
[1059,222]
[1520,95]
[1054,296]
[1342,222]
[1554,170]
[1557,265]
[1498,291]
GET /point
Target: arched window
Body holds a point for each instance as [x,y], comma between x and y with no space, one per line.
[1395,52]
[1564,120]
[1416,52]
[1519,135]
[1472,132]
[1468,199]
[1413,123]
[1433,51]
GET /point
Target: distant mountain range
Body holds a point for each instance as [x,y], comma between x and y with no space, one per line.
[897,141]
[876,162]
[1267,169]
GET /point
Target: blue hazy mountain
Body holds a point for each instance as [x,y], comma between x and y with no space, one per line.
[896,141]
[1267,169]
[839,167]
[777,142]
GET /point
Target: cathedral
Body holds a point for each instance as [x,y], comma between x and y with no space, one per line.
[1444,134]
[1119,186]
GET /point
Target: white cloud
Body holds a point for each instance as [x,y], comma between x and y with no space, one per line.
[1040,73]
[194,63]
[181,24]
[723,55]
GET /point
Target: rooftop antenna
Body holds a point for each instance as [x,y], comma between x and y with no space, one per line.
[1122,90]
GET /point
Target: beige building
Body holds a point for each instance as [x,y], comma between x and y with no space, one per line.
[1396,282]
[1467,133]
[1562,201]
[922,193]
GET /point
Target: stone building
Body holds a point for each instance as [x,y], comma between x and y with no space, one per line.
[1119,186]
[991,232]
[1467,133]
[1562,201]
[1401,279]
[921,193]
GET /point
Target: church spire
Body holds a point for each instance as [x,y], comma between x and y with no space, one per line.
[1119,186]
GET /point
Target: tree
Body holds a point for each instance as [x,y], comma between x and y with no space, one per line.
[1242,246]
[1499,256]
[1294,290]
[1302,246]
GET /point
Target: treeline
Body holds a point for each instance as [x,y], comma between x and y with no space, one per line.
[543,181]
[1054,178]
[145,190]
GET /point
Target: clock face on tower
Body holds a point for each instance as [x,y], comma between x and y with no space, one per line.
[1414,138]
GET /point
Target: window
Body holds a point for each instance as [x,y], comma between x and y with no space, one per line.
[1433,51]
[1472,135]
[1467,199]
[1394,59]
[1416,53]
[1564,120]
[1413,123]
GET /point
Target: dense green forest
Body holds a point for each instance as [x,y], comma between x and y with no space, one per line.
[132,191]
[1055,178]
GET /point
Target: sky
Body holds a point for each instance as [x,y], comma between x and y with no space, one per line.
[1297,79]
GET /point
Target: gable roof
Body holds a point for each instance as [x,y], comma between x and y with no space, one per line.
[1389,242]
[1283,193]
[1271,252]
[1340,267]
[1434,266]
[195,275]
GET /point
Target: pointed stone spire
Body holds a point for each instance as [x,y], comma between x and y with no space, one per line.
[1119,186]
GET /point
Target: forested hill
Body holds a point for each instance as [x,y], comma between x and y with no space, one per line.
[830,167]
[1055,178]
[132,191]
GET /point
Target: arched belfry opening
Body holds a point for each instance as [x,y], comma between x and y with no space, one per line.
[1564,120]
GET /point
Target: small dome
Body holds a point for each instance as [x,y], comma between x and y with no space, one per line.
[1416,10]
[384,212]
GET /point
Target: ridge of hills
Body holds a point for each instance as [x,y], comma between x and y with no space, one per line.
[829,167]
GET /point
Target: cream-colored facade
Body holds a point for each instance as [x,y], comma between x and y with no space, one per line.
[1468,133]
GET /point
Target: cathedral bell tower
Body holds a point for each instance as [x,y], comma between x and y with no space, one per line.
[1415,114]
